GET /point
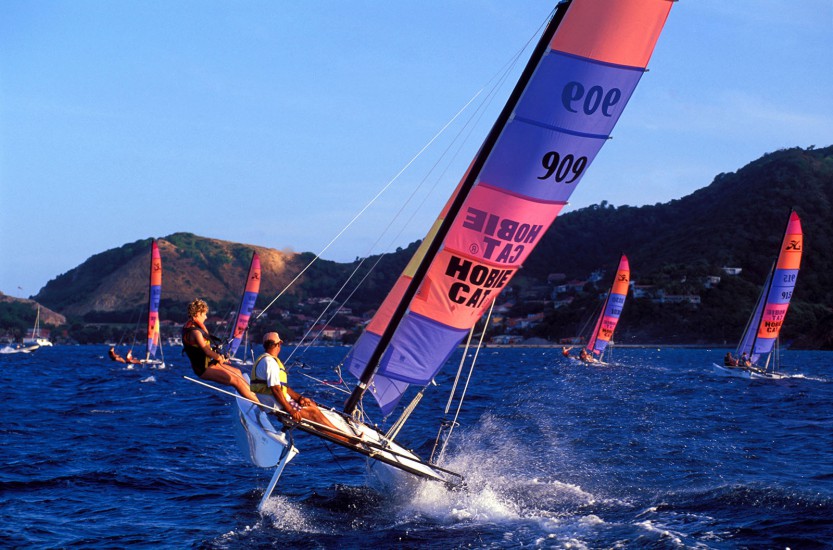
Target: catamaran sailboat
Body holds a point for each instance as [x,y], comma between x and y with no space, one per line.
[244,313]
[761,333]
[154,295]
[606,323]
[575,86]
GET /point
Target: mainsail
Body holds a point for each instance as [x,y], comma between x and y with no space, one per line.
[612,309]
[154,294]
[247,304]
[774,300]
[571,94]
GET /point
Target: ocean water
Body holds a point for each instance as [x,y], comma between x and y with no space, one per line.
[653,451]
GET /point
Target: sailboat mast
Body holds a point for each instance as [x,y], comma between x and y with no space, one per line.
[36,328]
[454,209]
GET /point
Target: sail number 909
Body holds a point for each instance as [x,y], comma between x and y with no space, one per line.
[562,168]
[573,94]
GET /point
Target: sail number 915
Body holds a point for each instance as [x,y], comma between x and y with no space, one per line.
[562,168]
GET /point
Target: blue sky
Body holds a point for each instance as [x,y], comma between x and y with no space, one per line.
[273,122]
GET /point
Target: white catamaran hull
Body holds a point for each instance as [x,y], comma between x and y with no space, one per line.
[749,374]
[269,447]
[258,437]
[264,443]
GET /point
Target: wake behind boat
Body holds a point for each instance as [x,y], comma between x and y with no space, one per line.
[7,349]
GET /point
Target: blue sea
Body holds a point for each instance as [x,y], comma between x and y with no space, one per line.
[653,451]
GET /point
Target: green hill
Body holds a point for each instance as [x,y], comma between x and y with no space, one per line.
[736,221]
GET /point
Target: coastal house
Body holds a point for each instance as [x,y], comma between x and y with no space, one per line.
[506,339]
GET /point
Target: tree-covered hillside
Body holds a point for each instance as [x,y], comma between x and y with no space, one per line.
[736,221]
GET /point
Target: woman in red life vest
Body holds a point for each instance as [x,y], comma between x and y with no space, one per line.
[208,363]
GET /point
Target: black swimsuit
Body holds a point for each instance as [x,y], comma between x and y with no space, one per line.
[199,360]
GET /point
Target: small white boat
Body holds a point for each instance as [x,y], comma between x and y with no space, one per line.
[36,340]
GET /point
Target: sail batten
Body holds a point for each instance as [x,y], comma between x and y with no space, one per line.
[562,111]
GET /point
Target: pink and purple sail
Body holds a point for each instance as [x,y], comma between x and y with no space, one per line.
[774,300]
[247,304]
[154,296]
[581,82]
[609,317]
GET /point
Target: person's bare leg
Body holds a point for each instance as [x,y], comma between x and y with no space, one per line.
[230,376]
[312,412]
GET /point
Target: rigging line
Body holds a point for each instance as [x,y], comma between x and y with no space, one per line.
[479,114]
[135,330]
[504,75]
[387,228]
[335,297]
[593,315]
[366,206]
[466,386]
[324,383]
[400,422]
[443,424]
[501,76]
[459,370]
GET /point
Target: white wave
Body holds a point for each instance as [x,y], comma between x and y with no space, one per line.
[149,379]
[288,515]
[506,482]
[805,377]
[665,534]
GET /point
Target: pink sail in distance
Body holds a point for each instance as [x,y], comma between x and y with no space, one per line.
[562,111]
[612,309]
[154,295]
[765,325]
[247,304]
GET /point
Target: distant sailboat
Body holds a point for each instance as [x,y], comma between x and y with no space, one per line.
[154,295]
[761,332]
[244,312]
[36,339]
[564,107]
[609,316]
